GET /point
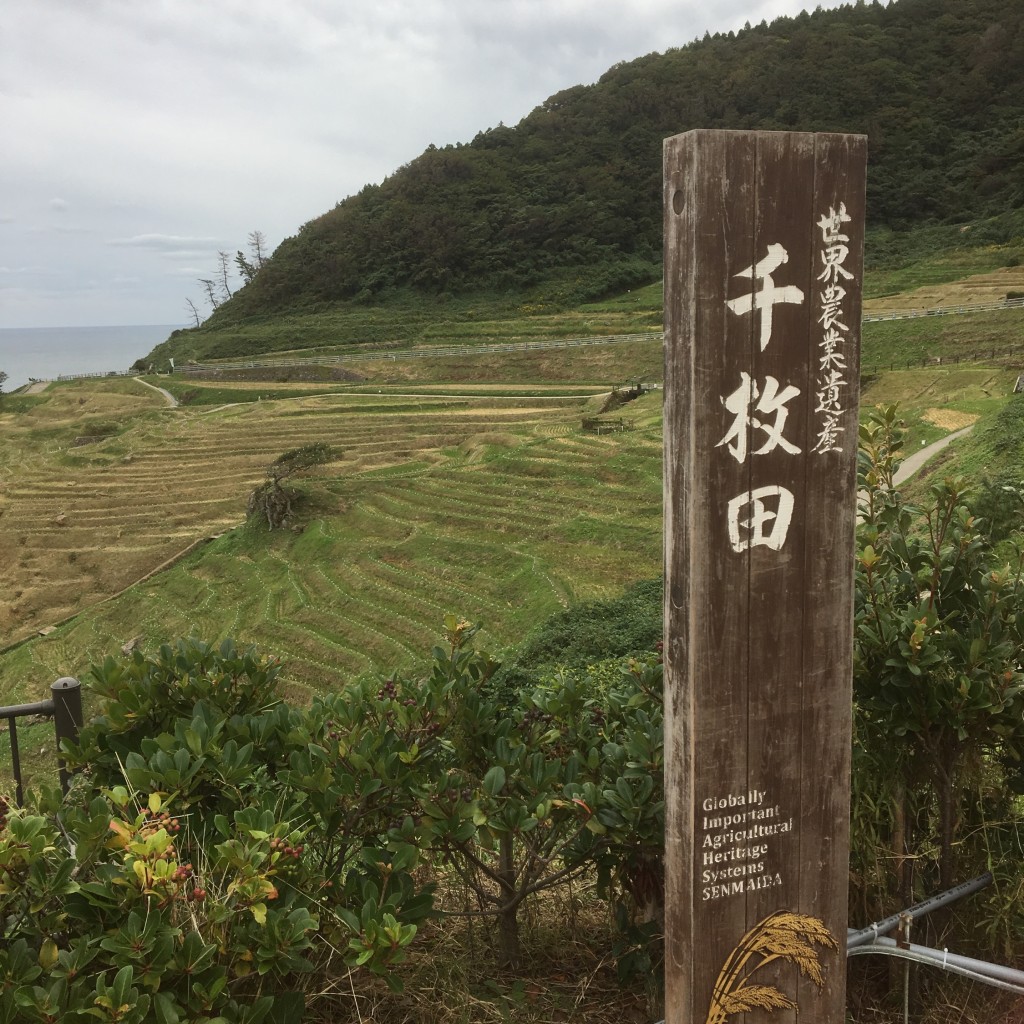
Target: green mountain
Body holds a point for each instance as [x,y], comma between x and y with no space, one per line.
[937,86]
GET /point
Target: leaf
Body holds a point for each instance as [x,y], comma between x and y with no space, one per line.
[259,912]
[122,986]
[288,1007]
[166,1009]
[494,780]
[122,832]
[48,954]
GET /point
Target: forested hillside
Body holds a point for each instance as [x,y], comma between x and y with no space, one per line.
[937,85]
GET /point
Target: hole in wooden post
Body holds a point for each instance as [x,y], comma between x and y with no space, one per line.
[677,200]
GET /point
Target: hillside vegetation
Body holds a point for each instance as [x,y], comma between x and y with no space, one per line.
[494,507]
[462,483]
[565,207]
[450,500]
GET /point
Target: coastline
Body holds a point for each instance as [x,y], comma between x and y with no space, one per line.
[44,353]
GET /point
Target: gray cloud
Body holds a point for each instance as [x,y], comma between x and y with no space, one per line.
[164,243]
[155,134]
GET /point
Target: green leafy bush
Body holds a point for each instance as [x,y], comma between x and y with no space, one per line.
[938,685]
[188,867]
[220,853]
[577,639]
[543,788]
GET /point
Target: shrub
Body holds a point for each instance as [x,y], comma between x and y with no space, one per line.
[219,847]
[588,633]
[189,868]
[541,789]
[938,683]
[275,498]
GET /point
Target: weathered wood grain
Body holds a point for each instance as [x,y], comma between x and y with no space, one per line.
[758,620]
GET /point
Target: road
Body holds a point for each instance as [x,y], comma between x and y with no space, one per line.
[169,398]
[912,463]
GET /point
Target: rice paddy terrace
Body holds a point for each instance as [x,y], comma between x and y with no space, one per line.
[484,499]
[492,504]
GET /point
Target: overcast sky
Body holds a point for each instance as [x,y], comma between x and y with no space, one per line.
[142,136]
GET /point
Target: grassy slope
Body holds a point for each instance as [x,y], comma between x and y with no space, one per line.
[417,321]
[499,509]
[494,506]
[910,269]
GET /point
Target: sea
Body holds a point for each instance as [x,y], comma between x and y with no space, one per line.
[45,353]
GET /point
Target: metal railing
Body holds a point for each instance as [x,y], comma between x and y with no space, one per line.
[357,353]
[65,708]
[874,940]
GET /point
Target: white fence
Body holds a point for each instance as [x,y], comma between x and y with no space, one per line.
[521,346]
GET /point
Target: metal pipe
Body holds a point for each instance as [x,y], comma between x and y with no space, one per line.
[1006,978]
[864,936]
[42,707]
[19,795]
[67,719]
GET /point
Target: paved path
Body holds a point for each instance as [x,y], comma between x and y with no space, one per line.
[912,463]
[171,400]
[37,387]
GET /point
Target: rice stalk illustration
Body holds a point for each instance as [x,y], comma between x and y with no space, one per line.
[781,936]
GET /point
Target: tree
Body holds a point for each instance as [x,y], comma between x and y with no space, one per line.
[273,500]
[245,268]
[938,684]
[211,294]
[257,248]
[192,309]
[3,379]
[250,267]
[537,786]
[224,262]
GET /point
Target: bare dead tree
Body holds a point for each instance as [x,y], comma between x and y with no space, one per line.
[257,248]
[211,291]
[195,312]
[224,260]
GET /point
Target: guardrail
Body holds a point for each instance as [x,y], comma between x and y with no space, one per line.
[365,355]
[967,307]
[98,373]
[65,708]
[416,353]
[978,356]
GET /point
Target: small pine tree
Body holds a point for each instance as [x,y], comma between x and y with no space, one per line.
[273,500]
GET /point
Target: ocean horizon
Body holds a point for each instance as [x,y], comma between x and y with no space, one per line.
[45,353]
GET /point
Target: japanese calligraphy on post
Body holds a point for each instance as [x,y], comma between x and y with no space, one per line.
[763,270]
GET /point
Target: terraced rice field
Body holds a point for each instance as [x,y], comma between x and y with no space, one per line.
[498,509]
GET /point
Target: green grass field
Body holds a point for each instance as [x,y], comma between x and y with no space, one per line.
[498,508]
[462,484]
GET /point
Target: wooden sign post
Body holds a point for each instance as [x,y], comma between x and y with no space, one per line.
[763,271]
